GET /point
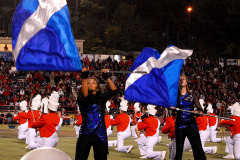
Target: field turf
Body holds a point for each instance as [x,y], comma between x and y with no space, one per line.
[13,149]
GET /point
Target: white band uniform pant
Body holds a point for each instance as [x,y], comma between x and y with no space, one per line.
[51,141]
[233,145]
[22,130]
[146,144]
[121,136]
[204,135]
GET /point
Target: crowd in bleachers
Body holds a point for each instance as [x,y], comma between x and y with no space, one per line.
[213,83]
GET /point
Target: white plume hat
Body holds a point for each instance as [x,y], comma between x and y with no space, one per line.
[209,108]
[108,103]
[53,101]
[44,105]
[151,109]
[236,109]
[23,105]
[136,106]
[201,101]
[124,105]
[36,102]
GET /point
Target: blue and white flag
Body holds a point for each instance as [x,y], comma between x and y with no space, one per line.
[42,38]
[160,85]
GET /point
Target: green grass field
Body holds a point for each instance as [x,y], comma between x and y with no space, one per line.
[13,149]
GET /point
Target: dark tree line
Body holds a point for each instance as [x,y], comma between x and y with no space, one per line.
[131,25]
[109,25]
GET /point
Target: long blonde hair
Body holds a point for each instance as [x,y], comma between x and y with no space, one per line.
[188,90]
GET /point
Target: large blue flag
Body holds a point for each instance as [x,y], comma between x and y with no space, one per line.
[42,37]
[160,85]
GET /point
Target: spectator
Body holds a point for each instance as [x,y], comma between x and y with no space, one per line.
[9,117]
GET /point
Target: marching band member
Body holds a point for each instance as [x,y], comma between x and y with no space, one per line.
[233,141]
[78,123]
[49,123]
[23,124]
[122,121]
[108,126]
[213,122]
[44,111]
[202,122]
[146,143]
[32,116]
[137,115]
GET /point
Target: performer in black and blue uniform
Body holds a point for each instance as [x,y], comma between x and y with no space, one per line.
[92,106]
[185,124]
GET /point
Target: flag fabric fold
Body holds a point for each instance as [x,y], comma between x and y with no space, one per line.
[160,85]
[42,37]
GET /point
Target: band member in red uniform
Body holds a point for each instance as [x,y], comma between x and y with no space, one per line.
[146,143]
[48,123]
[122,121]
[213,122]
[23,124]
[137,115]
[108,126]
[32,116]
[202,122]
[233,141]
[78,123]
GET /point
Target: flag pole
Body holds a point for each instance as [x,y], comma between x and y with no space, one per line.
[178,109]
[138,72]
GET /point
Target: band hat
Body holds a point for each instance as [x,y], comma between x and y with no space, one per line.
[53,101]
[36,102]
[108,103]
[44,105]
[209,108]
[201,101]
[151,109]
[124,105]
[136,106]
[236,109]
[23,105]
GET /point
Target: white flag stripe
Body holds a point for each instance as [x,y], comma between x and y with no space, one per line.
[166,57]
[37,21]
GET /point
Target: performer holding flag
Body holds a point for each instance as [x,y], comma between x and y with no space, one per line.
[160,87]
[92,106]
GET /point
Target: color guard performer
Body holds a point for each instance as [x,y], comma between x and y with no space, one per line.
[169,128]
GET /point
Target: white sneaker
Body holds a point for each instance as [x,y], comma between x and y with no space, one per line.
[229,156]
[143,157]
[28,147]
[116,149]
[163,155]
[130,148]
[214,150]
[159,138]
[115,143]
